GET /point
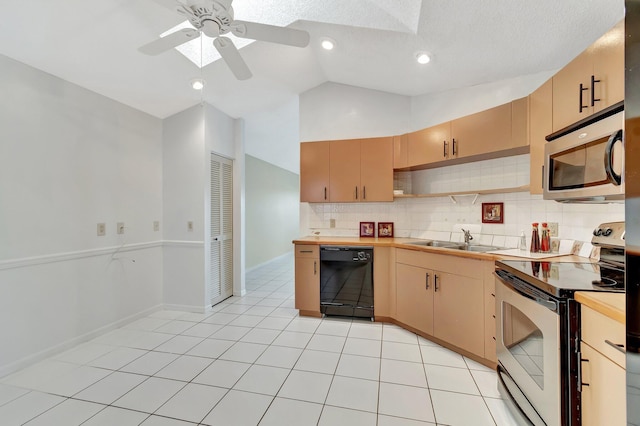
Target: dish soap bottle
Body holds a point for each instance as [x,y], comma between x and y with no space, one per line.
[535,238]
[545,240]
[523,242]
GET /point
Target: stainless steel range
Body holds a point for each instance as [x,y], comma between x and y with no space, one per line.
[538,331]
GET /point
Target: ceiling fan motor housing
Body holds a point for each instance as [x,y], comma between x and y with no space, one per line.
[212,17]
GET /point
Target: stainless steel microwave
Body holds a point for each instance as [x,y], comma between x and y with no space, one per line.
[585,162]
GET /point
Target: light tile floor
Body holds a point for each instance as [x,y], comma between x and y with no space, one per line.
[251,360]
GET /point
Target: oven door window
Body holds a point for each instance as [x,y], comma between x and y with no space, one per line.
[583,166]
[524,340]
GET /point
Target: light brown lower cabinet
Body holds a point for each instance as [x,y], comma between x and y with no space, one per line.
[307,279]
[438,302]
[603,390]
[602,370]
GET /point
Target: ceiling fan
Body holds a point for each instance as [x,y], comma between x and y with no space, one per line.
[214,18]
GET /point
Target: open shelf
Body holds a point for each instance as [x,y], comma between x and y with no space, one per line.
[523,188]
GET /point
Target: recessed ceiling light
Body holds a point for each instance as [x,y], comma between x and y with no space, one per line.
[327,43]
[197,84]
[423,58]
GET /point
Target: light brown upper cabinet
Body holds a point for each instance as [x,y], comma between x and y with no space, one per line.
[486,131]
[540,125]
[314,172]
[400,151]
[343,171]
[361,170]
[593,81]
[430,145]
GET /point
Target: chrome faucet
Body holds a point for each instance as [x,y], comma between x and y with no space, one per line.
[467,236]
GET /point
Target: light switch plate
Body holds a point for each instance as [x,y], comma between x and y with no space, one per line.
[190,226]
[332,223]
[156,225]
[553,229]
[102,229]
[120,228]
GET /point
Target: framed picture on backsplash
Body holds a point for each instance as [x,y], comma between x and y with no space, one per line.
[492,212]
[367,229]
[385,229]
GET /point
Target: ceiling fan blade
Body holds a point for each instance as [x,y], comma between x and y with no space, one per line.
[271,33]
[232,57]
[170,41]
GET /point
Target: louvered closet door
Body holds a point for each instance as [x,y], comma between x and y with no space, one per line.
[221,284]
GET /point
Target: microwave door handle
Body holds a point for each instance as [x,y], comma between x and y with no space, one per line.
[614,178]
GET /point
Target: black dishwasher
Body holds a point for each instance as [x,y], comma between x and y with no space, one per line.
[346,281]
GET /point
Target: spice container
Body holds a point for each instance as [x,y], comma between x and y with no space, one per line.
[535,238]
[545,240]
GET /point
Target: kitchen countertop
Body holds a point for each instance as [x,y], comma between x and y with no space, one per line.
[404,243]
[611,305]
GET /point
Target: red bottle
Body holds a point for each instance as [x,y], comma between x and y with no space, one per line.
[535,239]
[545,240]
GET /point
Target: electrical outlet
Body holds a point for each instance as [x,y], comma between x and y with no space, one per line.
[190,226]
[102,229]
[553,229]
[332,223]
[120,228]
[156,225]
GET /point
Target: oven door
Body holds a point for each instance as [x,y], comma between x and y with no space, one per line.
[528,348]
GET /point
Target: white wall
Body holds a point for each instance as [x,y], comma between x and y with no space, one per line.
[188,141]
[70,158]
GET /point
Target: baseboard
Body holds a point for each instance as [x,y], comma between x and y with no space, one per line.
[54,350]
[185,308]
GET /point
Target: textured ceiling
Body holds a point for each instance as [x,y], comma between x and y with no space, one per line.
[94,44]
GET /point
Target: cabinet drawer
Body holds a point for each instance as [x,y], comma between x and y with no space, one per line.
[307,250]
[598,329]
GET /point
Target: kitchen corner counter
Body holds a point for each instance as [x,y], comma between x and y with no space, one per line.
[405,243]
[611,305]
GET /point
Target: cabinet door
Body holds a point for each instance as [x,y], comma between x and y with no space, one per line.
[567,94]
[414,297]
[608,67]
[429,145]
[483,132]
[345,171]
[540,116]
[400,150]
[376,169]
[307,284]
[314,172]
[458,311]
[603,389]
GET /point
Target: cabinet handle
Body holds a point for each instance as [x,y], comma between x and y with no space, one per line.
[356,192]
[435,282]
[593,92]
[364,192]
[315,267]
[426,284]
[582,89]
[325,192]
[616,346]
[445,147]
[455,151]
[306,251]
[580,384]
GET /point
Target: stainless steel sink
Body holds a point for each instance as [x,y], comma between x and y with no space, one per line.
[436,243]
[479,248]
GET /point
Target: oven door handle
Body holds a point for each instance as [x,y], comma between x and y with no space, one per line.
[525,290]
[614,178]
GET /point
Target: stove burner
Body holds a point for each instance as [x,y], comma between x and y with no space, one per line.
[605,282]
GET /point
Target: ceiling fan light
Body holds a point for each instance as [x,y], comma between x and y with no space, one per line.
[327,43]
[423,58]
[197,84]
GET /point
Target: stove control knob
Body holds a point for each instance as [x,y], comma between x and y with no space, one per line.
[597,232]
[607,231]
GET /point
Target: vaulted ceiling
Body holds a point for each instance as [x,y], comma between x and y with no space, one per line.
[94,44]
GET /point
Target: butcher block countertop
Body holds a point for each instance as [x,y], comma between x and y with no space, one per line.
[611,305]
[404,243]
